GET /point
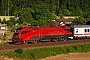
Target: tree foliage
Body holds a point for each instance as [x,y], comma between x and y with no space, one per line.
[4,21]
[65,7]
[42,12]
[39,12]
[25,15]
[11,22]
[79,21]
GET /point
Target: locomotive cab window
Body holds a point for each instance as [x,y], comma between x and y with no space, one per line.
[24,32]
[17,30]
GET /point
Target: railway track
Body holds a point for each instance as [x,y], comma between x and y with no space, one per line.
[13,47]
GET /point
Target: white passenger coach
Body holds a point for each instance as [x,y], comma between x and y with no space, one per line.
[80,31]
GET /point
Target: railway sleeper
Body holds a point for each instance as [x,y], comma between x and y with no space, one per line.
[80,38]
[31,41]
[63,38]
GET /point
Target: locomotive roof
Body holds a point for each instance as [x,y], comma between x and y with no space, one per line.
[79,26]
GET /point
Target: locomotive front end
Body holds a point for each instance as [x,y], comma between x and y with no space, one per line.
[16,38]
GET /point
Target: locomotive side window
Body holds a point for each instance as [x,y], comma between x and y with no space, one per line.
[24,32]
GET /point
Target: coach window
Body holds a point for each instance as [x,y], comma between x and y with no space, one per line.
[88,30]
[76,30]
[85,30]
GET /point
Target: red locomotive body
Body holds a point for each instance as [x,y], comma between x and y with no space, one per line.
[28,34]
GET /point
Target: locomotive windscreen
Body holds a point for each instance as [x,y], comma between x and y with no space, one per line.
[17,31]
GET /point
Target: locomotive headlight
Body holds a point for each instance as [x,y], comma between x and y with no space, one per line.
[70,37]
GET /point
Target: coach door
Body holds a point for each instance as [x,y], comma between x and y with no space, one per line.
[72,30]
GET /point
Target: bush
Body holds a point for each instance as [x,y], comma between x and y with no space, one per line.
[34,54]
[0,43]
[19,51]
[5,43]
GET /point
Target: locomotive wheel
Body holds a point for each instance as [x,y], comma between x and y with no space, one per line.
[36,41]
[61,39]
[55,40]
[51,40]
[66,39]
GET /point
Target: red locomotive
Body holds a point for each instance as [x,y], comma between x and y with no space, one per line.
[30,34]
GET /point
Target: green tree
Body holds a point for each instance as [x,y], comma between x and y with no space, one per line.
[79,21]
[66,12]
[4,21]
[4,7]
[88,20]
[11,22]
[0,20]
[50,23]
[44,9]
[40,23]
[25,15]
[42,12]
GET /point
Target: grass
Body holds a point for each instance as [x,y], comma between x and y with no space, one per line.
[38,53]
[5,43]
